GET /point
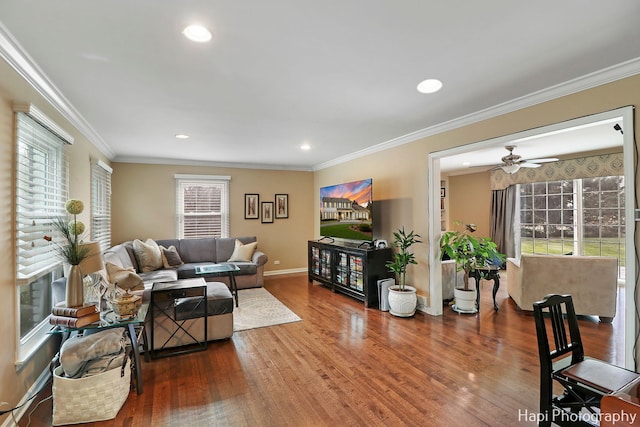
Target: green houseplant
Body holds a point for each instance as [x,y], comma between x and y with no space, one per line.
[72,250]
[402,298]
[469,252]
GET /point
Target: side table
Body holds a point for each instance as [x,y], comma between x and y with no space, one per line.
[108,320]
[165,297]
[217,270]
[487,273]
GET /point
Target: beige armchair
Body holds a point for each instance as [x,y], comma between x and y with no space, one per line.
[591,281]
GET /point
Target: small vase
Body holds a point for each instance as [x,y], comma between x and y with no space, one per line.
[75,287]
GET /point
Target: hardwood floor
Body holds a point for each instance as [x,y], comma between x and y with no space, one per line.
[346,365]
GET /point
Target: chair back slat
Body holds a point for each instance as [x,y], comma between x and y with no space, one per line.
[557,313]
[558,327]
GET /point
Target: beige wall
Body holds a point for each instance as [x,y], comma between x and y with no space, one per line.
[143,205]
[400,174]
[470,201]
[14,381]
[144,195]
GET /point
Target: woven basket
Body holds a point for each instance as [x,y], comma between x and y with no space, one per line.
[95,398]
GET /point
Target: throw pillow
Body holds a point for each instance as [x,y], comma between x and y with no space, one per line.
[125,278]
[170,257]
[148,255]
[242,252]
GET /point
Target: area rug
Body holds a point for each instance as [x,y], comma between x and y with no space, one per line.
[258,309]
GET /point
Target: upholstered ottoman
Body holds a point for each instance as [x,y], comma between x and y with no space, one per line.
[189,315]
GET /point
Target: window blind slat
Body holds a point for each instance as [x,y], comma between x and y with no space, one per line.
[202,207]
[101,204]
[41,192]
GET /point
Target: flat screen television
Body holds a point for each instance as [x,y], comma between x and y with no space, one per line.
[346,210]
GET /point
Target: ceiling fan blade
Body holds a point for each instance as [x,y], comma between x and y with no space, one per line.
[529,165]
[547,160]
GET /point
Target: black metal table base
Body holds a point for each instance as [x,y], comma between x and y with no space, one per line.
[486,274]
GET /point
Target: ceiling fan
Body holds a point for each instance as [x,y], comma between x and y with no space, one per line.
[511,163]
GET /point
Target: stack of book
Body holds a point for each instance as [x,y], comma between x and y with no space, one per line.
[74,317]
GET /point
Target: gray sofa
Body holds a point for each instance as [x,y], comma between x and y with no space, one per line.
[194,252]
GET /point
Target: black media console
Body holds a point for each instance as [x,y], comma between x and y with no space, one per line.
[350,269]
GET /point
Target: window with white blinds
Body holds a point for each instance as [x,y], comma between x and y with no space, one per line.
[202,206]
[101,203]
[41,193]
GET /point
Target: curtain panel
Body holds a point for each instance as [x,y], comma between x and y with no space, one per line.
[502,220]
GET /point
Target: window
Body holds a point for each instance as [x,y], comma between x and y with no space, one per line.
[101,204]
[546,217]
[581,216]
[202,206]
[41,193]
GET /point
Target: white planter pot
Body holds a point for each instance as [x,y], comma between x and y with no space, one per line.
[402,303]
[465,301]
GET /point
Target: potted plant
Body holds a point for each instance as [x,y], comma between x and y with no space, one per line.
[402,298]
[72,250]
[469,253]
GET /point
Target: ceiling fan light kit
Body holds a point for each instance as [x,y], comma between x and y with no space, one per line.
[513,162]
[511,169]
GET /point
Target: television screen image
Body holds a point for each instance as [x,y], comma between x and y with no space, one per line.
[345,210]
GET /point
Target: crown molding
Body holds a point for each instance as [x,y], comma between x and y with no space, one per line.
[598,78]
[183,162]
[14,55]
[23,64]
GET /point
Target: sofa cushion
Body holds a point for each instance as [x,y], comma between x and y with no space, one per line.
[148,255]
[170,257]
[226,245]
[242,252]
[118,255]
[132,255]
[169,242]
[219,301]
[197,250]
[125,278]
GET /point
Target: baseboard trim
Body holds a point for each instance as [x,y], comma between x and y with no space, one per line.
[41,381]
[289,271]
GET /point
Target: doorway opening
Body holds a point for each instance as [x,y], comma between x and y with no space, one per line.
[622,117]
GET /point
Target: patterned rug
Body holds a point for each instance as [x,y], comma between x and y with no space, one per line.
[258,309]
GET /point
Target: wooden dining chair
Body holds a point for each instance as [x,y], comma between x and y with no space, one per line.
[584,380]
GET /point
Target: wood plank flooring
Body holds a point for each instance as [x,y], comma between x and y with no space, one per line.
[350,366]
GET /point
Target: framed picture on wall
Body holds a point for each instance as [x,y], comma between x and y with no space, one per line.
[251,206]
[267,212]
[282,206]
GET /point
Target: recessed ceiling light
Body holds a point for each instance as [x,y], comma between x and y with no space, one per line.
[466,163]
[305,146]
[429,86]
[197,33]
[182,136]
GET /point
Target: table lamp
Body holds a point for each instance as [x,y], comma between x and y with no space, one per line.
[91,263]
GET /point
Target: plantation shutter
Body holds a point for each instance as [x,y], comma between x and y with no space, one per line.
[202,206]
[101,204]
[41,190]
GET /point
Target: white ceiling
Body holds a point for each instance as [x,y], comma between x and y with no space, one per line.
[339,75]
[592,137]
